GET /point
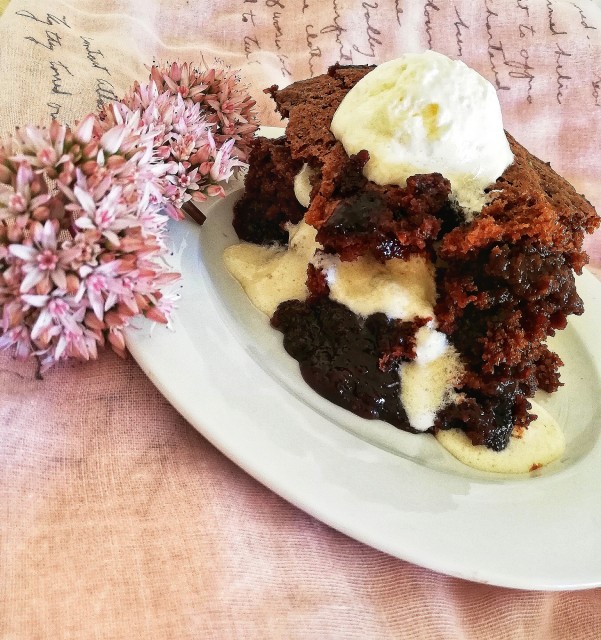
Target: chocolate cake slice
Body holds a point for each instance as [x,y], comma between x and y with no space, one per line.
[504,278]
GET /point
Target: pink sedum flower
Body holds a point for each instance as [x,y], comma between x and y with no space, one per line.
[42,263]
[205,122]
[17,338]
[84,210]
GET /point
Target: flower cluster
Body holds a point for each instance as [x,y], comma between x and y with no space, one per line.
[205,121]
[83,211]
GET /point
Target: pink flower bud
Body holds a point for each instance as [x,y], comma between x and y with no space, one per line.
[89,168]
[199,196]
[112,139]
[90,150]
[15,234]
[17,203]
[72,284]
[47,156]
[216,190]
[125,312]
[93,322]
[156,315]
[117,343]
[141,301]
[113,319]
[41,214]
[5,175]
[115,162]
[85,128]
[43,287]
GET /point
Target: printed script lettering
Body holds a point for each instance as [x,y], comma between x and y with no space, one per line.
[370,31]
[428,8]
[398,10]
[56,35]
[60,76]
[59,70]
[531,46]
[496,53]
[93,55]
[345,54]
[314,50]
[584,19]
[105,90]
[521,68]
[551,20]
[251,17]
[459,27]
[528,44]
[276,21]
[597,90]
[51,41]
[561,76]
[49,19]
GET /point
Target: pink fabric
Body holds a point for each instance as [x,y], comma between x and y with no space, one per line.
[118,520]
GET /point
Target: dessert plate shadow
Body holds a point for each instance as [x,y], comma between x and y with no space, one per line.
[225,370]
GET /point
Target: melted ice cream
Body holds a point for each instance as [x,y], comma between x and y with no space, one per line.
[427,382]
[302,185]
[271,274]
[426,113]
[540,444]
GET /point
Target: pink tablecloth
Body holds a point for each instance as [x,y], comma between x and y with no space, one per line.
[117,519]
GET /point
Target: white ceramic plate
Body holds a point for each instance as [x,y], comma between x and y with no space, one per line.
[225,370]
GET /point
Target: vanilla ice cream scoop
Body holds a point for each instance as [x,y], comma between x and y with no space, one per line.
[426,113]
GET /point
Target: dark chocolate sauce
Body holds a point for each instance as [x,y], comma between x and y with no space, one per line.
[346,359]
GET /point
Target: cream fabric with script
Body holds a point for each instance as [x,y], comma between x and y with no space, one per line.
[117,519]
[543,56]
